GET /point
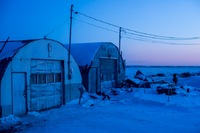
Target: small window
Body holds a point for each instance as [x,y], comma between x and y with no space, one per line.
[50,78]
[33,78]
[41,79]
[58,77]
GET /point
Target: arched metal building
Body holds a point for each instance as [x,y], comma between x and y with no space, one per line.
[34,76]
[100,63]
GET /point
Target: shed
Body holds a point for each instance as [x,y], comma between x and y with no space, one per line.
[100,63]
[34,76]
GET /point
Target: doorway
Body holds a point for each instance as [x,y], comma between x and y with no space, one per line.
[19,93]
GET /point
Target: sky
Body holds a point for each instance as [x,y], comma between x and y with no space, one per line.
[150,19]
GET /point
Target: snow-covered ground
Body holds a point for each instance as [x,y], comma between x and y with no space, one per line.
[141,110]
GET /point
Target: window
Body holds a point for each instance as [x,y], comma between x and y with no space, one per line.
[50,78]
[46,78]
[58,77]
[33,78]
[41,78]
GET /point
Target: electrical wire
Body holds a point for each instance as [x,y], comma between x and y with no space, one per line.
[53,30]
[95,25]
[138,33]
[97,19]
[158,42]
[160,38]
[131,36]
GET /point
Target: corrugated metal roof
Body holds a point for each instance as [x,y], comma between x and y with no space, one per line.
[84,53]
[9,50]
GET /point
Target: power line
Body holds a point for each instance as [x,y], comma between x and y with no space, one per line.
[95,25]
[160,38]
[131,36]
[56,28]
[138,33]
[155,41]
[97,19]
[158,42]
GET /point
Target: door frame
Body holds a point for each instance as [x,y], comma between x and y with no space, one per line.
[115,71]
[25,90]
[45,71]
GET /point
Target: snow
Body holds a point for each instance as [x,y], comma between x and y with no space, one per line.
[84,53]
[140,110]
[9,120]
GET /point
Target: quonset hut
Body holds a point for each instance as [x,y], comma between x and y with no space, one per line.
[100,63]
[34,76]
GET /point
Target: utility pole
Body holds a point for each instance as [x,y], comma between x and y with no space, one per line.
[118,64]
[69,53]
[120,30]
[69,47]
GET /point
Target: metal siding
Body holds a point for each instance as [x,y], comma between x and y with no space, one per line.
[72,94]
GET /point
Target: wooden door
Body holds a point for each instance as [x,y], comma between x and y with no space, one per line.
[19,93]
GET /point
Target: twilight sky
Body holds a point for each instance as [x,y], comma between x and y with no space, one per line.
[178,19]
